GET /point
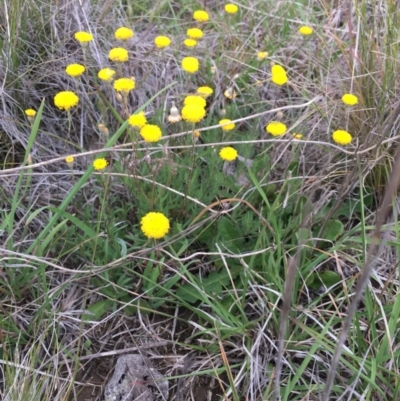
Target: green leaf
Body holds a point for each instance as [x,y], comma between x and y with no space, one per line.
[97,310]
[327,278]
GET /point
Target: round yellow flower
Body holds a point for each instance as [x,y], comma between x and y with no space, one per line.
[124,33]
[83,37]
[297,136]
[190,42]
[279,76]
[30,112]
[201,16]
[349,99]
[190,64]
[106,74]
[100,164]
[118,54]
[193,99]
[193,113]
[342,137]
[75,70]
[69,160]
[228,154]
[150,133]
[262,55]
[162,41]
[276,128]
[205,91]
[194,33]
[124,84]
[231,8]
[66,100]
[154,225]
[226,124]
[138,120]
[306,30]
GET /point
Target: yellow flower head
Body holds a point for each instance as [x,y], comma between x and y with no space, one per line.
[30,112]
[349,99]
[226,124]
[150,133]
[69,160]
[190,42]
[194,33]
[162,41]
[83,37]
[75,70]
[124,84]
[106,74]
[228,154]
[230,93]
[262,55]
[124,33]
[306,30]
[201,16]
[276,128]
[342,137]
[193,99]
[193,113]
[231,8]
[279,76]
[190,64]
[297,136]
[100,164]
[154,225]
[205,91]
[138,120]
[66,100]
[118,54]
[174,116]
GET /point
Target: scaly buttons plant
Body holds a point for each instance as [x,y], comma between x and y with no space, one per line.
[138,120]
[228,154]
[194,33]
[100,164]
[106,74]
[83,37]
[279,76]
[226,124]
[154,225]
[75,70]
[190,42]
[124,84]
[193,113]
[205,91]
[342,137]
[231,8]
[30,112]
[66,100]
[162,41]
[349,99]
[118,54]
[276,128]
[190,64]
[124,33]
[194,99]
[306,30]
[150,133]
[201,16]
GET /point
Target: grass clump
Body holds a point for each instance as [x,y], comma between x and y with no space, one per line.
[200,184]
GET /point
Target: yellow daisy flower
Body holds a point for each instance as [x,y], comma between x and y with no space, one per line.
[279,76]
[190,64]
[66,100]
[228,154]
[100,164]
[106,74]
[231,8]
[70,161]
[193,113]
[190,42]
[205,91]
[342,137]
[193,99]
[349,99]
[75,70]
[262,55]
[306,30]
[201,16]
[118,54]
[154,225]
[226,124]
[162,41]
[276,128]
[83,37]
[150,133]
[194,33]
[30,112]
[124,84]
[138,120]
[124,33]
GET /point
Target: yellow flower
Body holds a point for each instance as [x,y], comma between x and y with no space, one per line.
[118,54]
[279,76]
[154,225]
[66,100]
[190,42]
[228,154]
[75,70]
[70,161]
[230,93]
[205,91]
[124,33]
[201,16]
[30,112]
[150,133]
[226,124]
[138,120]
[83,37]
[342,137]
[174,116]
[262,55]
[193,113]
[297,136]
[276,128]
[124,84]
[162,41]
[193,99]
[231,8]
[306,30]
[349,99]
[100,164]
[194,33]
[106,74]
[190,64]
